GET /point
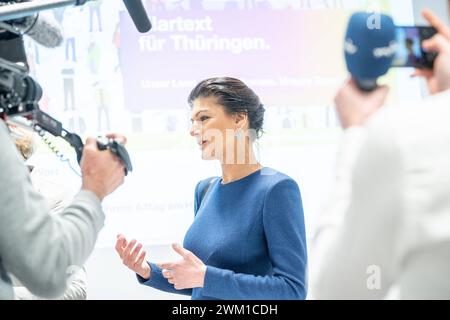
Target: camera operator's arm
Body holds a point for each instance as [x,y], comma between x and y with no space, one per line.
[38,248]
[76,289]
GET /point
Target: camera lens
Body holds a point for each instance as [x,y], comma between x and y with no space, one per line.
[33,91]
[18,94]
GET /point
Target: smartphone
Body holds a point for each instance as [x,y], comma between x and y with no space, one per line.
[409,51]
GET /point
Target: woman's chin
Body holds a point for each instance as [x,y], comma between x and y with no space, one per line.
[208,156]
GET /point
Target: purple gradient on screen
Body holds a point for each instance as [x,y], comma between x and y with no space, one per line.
[298,45]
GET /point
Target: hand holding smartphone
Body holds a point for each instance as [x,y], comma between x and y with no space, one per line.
[410,52]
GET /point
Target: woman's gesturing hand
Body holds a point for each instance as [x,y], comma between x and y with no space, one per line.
[133,256]
[187,273]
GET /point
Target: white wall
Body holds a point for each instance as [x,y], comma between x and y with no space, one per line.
[440,7]
[109,279]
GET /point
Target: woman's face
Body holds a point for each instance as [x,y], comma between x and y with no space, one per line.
[213,128]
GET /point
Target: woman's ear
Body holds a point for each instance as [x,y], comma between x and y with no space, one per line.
[241,120]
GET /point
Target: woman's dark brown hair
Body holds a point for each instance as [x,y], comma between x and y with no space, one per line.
[235,96]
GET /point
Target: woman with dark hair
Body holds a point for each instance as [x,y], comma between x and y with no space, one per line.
[247,240]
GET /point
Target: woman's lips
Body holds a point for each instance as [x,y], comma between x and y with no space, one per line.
[203,144]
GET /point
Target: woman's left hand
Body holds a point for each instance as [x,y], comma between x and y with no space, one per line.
[187,273]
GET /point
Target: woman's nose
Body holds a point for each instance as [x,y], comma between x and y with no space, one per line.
[194,130]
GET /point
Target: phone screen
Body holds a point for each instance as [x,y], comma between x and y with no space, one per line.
[409,52]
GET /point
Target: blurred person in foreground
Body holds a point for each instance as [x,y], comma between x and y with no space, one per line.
[38,248]
[388,224]
[58,197]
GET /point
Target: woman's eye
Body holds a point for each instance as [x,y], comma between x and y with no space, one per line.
[204,118]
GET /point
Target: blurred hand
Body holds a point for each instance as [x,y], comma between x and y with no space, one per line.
[102,172]
[117,136]
[132,256]
[354,106]
[438,79]
[187,273]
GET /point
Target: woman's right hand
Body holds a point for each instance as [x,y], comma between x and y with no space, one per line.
[132,256]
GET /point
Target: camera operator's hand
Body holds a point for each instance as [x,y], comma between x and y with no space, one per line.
[438,79]
[354,106]
[102,172]
[118,137]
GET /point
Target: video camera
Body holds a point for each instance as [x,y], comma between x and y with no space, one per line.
[20,93]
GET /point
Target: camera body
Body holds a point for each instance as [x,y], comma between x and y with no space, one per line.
[104,143]
[409,51]
[20,95]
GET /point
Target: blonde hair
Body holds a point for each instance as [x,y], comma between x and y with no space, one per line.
[25,145]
